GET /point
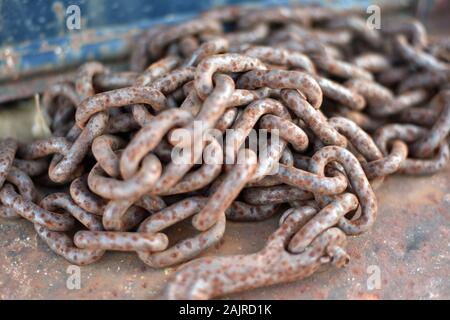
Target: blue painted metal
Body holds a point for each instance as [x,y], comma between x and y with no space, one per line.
[34,37]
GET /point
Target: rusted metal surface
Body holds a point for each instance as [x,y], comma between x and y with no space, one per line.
[409,243]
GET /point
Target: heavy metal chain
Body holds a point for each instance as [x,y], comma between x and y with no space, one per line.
[343,107]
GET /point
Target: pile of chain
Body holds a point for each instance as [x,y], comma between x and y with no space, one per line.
[348,104]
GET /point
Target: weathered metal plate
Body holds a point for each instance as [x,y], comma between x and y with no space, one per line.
[409,244]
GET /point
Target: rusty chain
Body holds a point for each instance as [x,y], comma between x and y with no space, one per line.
[343,106]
